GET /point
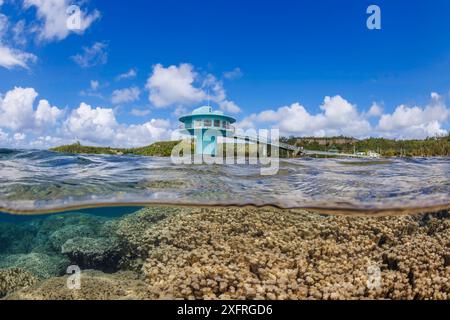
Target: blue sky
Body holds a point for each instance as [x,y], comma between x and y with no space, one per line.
[305,67]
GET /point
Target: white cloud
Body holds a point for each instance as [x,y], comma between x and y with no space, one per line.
[414,122]
[125,95]
[140,112]
[19,136]
[218,94]
[10,58]
[338,117]
[176,86]
[16,109]
[143,134]
[173,85]
[53,17]
[91,124]
[233,74]
[229,106]
[99,126]
[17,113]
[46,115]
[127,75]
[92,56]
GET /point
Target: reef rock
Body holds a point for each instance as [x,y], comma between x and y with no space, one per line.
[39,264]
[94,285]
[60,236]
[93,253]
[248,253]
[14,279]
[130,231]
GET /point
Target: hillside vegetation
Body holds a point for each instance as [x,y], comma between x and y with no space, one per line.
[386,147]
[430,147]
[157,149]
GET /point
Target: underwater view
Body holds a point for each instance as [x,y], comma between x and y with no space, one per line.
[143,228]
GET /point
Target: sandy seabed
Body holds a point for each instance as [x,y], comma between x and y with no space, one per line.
[235,253]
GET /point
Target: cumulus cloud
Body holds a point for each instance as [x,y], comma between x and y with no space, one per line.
[127,75]
[126,95]
[23,125]
[53,17]
[92,56]
[143,134]
[416,122]
[91,124]
[173,85]
[17,112]
[340,117]
[183,86]
[46,115]
[99,126]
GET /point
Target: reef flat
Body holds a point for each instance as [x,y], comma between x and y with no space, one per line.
[230,253]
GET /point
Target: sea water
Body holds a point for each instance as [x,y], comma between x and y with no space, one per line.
[109,215]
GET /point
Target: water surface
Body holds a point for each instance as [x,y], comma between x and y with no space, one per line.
[38,181]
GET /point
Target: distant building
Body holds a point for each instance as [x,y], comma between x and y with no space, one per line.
[373,154]
[206,125]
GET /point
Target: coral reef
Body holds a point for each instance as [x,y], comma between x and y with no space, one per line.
[235,253]
[245,253]
[37,245]
[95,285]
[131,228]
[14,279]
[93,253]
[60,236]
[41,265]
